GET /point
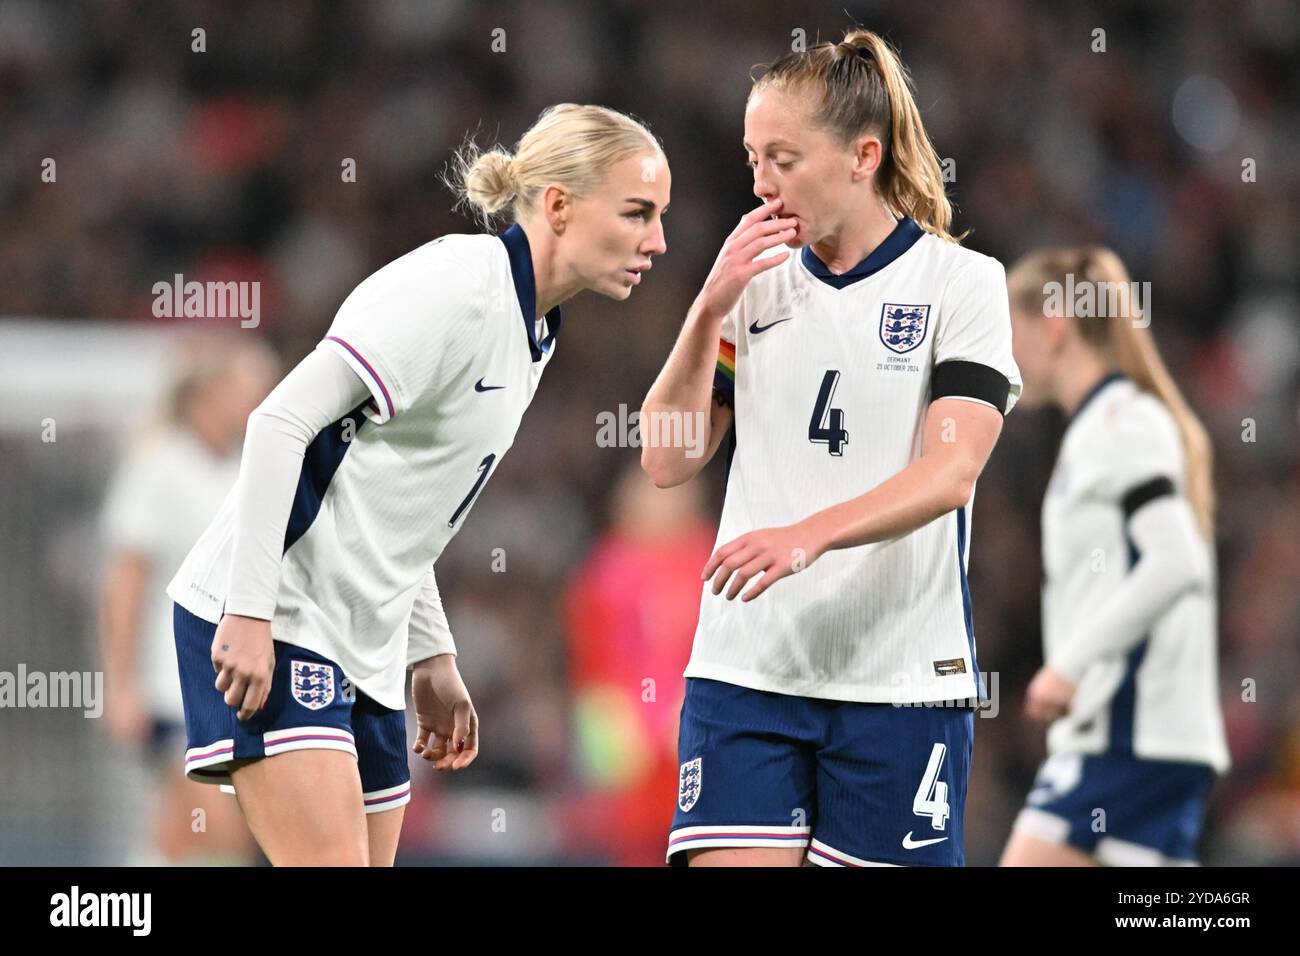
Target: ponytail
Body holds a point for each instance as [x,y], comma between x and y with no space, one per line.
[1126,341]
[863,87]
[571,144]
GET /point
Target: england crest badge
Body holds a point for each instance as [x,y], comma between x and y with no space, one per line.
[689,782]
[313,684]
[903,327]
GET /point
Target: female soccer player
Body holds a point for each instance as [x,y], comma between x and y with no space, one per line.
[1130,681]
[312,591]
[172,479]
[865,361]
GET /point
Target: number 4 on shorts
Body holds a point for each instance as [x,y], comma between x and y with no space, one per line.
[932,795]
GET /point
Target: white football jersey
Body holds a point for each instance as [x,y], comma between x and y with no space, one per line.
[1160,700]
[163,495]
[833,376]
[444,339]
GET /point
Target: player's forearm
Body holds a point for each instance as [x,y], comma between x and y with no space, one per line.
[929,487]
[119,617]
[684,387]
[268,478]
[1171,563]
[1119,625]
[428,634]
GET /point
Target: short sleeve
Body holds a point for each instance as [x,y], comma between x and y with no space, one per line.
[1136,456]
[409,322]
[724,374]
[972,351]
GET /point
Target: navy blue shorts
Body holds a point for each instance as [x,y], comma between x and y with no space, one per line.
[312,706]
[1120,809]
[851,784]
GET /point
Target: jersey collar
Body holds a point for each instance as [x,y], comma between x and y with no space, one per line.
[521,270]
[896,243]
[1093,393]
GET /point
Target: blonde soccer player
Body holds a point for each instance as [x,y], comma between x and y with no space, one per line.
[1129,686]
[863,358]
[312,592]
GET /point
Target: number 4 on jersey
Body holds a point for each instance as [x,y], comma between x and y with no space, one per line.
[931,798]
[826,427]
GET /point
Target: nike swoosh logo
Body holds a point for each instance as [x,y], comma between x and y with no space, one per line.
[480,387]
[910,844]
[755,328]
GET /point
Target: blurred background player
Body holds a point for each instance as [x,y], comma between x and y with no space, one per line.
[865,359]
[1130,679]
[170,482]
[313,590]
[631,612]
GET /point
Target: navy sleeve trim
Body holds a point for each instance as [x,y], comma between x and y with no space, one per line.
[956,379]
[1144,494]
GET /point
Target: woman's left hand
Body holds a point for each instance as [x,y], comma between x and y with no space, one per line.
[776,552]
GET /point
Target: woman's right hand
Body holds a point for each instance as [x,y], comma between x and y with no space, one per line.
[243,656]
[737,261]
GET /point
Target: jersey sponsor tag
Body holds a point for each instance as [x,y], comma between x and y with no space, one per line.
[950,667]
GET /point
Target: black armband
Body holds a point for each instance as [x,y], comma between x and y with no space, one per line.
[956,379]
[1145,493]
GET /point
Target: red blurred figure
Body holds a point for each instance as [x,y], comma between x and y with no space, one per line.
[630,616]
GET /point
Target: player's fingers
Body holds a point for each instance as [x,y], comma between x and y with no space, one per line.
[224,678]
[248,702]
[421,738]
[759,232]
[448,756]
[744,573]
[758,214]
[467,754]
[440,746]
[771,575]
[719,556]
[771,262]
[750,254]
[236,689]
[762,229]
[462,716]
[733,561]
[468,747]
